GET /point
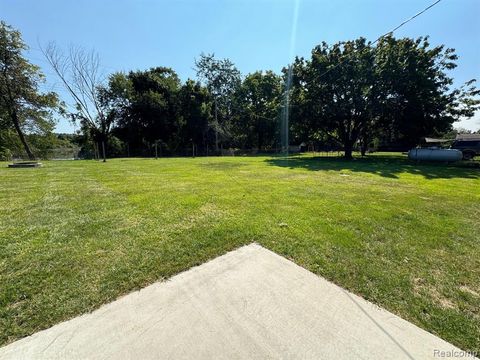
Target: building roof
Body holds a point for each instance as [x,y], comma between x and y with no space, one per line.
[468,137]
[433,140]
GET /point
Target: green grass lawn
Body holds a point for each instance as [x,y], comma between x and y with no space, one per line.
[77,234]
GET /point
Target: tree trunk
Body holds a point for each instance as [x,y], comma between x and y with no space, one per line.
[16,124]
[260,141]
[95,150]
[103,151]
[363,148]
[348,150]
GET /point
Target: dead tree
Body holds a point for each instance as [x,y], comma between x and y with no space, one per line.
[79,71]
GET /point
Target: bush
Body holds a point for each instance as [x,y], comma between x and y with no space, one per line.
[5,154]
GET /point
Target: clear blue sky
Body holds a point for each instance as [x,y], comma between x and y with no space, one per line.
[254,34]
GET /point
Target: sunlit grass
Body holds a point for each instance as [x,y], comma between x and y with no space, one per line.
[76,234]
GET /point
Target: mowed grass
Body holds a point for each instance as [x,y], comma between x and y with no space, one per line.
[77,234]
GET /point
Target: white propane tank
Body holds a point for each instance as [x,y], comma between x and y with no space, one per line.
[435,154]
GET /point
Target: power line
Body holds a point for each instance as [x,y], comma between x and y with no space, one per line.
[408,20]
[386,34]
[374,42]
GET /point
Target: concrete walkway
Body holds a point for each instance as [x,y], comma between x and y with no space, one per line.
[247,304]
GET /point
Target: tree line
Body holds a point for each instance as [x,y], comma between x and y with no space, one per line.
[352,94]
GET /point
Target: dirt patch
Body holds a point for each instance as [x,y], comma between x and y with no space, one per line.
[421,287]
[207,213]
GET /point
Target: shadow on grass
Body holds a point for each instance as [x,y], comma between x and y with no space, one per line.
[386,166]
[221,165]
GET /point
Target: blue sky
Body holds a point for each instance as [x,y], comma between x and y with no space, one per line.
[255,35]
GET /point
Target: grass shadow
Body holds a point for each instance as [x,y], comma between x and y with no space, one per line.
[385,166]
[220,166]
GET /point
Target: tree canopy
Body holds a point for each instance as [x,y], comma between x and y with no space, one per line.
[398,90]
[222,80]
[23,107]
[259,98]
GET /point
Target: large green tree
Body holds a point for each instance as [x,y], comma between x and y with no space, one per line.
[353,91]
[23,108]
[259,97]
[146,108]
[338,90]
[196,114]
[417,94]
[153,107]
[222,79]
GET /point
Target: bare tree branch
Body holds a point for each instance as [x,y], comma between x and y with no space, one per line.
[79,72]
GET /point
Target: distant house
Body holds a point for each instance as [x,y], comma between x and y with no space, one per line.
[469,144]
[468,137]
[433,142]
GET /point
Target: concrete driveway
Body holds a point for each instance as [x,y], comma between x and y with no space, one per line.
[248,304]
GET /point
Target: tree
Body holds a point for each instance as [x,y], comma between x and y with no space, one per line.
[22,106]
[417,95]
[352,92]
[338,90]
[79,71]
[154,105]
[222,79]
[259,98]
[195,111]
[146,107]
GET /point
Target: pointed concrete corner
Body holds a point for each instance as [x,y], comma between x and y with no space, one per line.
[247,304]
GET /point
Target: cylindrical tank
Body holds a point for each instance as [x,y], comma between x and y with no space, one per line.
[435,154]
